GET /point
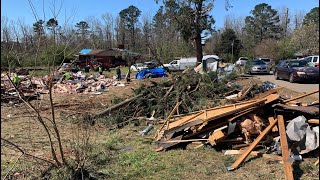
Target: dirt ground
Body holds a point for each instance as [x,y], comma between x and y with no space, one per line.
[123,153]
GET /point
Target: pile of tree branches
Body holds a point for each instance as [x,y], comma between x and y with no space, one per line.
[194,91]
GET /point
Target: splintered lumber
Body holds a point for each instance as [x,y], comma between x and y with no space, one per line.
[218,112]
[157,136]
[299,97]
[284,149]
[186,140]
[248,150]
[109,109]
[244,94]
[274,129]
[267,93]
[216,137]
[316,163]
[254,153]
[215,112]
[312,110]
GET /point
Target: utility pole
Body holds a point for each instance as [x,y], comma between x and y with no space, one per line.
[286,23]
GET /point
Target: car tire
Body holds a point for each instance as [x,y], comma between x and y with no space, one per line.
[276,77]
[291,78]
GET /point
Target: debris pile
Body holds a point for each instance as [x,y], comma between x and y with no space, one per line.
[195,91]
[247,125]
[218,112]
[32,87]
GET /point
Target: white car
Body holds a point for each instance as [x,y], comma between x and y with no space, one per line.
[242,61]
[313,59]
[138,67]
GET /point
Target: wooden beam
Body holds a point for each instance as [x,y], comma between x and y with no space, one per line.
[216,137]
[299,97]
[274,129]
[284,148]
[313,121]
[157,135]
[267,93]
[254,153]
[248,150]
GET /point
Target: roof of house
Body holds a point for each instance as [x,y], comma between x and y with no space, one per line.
[90,51]
[106,52]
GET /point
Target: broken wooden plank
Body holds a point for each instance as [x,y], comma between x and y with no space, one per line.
[284,148]
[157,135]
[244,93]
[254,153]
[313,121]
[252,146]
[164,145]
[216,137]
[316,163]
[184,140]
[313,110]
[180,128]
[267,93]
[299,97]
[214,108]
[274,129]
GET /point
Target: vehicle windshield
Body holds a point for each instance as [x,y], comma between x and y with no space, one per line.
[244,59]
[266,60]
[258,62]
[301,63]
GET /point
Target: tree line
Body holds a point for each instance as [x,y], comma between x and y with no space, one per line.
[267,33]
[179,28]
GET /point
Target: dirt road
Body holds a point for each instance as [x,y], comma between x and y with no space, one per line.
[299,87]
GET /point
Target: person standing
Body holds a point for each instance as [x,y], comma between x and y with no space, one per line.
[16,79]
[118,71]
[100,70]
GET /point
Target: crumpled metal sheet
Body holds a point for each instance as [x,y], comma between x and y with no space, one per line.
[297,128]
[305,137]
[312,139]
[267,85]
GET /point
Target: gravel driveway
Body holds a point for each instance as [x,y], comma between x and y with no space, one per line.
[299,87]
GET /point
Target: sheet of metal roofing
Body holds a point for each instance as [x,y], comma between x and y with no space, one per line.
[85,51]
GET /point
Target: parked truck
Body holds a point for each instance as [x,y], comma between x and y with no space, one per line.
[181,64]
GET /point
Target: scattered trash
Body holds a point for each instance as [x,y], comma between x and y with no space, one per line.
[147,130]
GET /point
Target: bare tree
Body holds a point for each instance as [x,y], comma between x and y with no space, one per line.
[298,18]
[108,28]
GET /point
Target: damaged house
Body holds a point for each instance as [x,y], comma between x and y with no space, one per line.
[109,58]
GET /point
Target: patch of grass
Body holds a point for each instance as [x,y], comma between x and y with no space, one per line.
[140,163]
[113,142]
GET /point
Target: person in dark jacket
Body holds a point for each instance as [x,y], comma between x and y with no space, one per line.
[118,73]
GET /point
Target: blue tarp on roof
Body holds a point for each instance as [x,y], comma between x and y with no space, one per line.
[85,51]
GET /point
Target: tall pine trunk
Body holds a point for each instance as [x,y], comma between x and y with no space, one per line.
[197,40]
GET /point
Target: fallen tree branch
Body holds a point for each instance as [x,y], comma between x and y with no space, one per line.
[109,109]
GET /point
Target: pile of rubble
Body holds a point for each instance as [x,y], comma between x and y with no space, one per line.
[31,87]
[248,125]
[206,110]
